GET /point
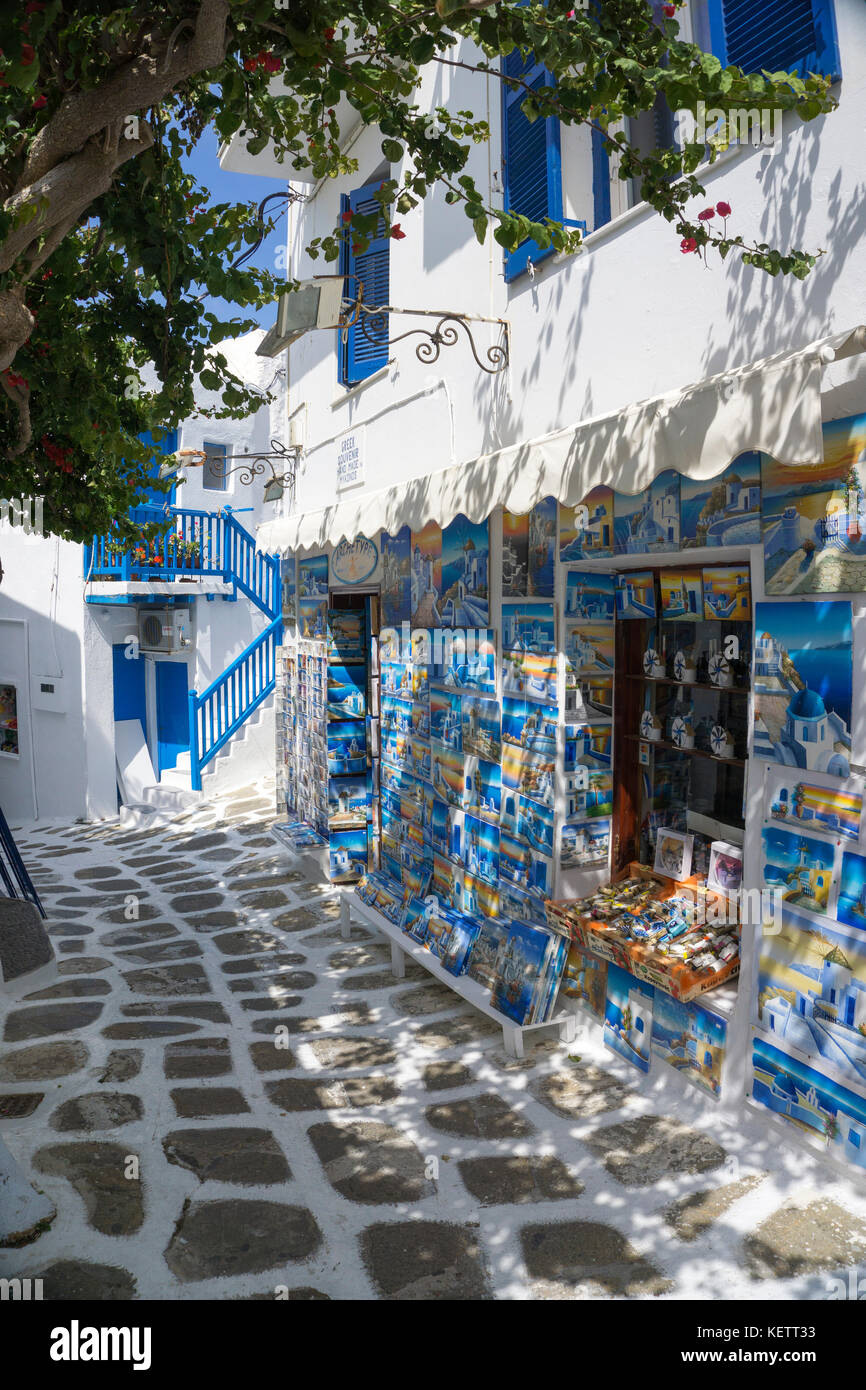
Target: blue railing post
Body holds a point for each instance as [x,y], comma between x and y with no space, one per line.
[194,763]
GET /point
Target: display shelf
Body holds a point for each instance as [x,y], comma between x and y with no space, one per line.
[471,990]
[689,685]
[692,752]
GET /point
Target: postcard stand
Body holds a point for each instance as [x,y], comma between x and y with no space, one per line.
[467,988]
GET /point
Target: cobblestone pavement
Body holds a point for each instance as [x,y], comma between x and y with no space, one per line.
[388,1148]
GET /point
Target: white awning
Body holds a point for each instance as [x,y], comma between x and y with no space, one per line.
[773,406]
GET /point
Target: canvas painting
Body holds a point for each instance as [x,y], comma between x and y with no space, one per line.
[529,725]
[482,962]
[518,971]
[728,593]
[589,648]
[465,659]
[832,809]
[588,794]
[814,520]
[347,748]
[421,758]
[584,980]
[426,575]
[592,745]
[535,825]
[595,694]
[691,1039]
[725,510]
[521,866]
[347,850]
[530,774]
[347,635]
[805,1097]
[681,595]
[482,733]
[313,577]
[542,548]
[851,906]
[802,674]
[396,592]
[673,857]
[587,529]
[288,581]
[628,1017]
[348,802]
[446,714]
[421,719]
[799,867]
[447,882]
[447,776]
[539,677]
[649,521]
[347,692]
[480,899]
[464,600]
[528,627]
[520,906]
[812,991]
[482,788]
[313,618]
[635,594]
[515,554]
[481,849]
[590,597]
[582,843]
[447,829]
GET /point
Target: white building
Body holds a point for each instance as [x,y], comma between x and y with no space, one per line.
[70,629]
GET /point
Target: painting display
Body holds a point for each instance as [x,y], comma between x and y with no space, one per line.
[799,867]
[681,595]
[515,554]
[803,677]
[590,597]
[465,659]
[647,522]
[728,593]
[528,627]
[313,618]
[481,726]
[814,520]
[851,905]
[347,636]
[396,590]
[465,563]
[584,980]
[347,853]
[589,648]
[347,687]
[583,843]
[587,529]
[348,802]
[347,748]
[635,594]
[426,575]
[542,548]
[725,510]
[628,1017]
[313,577]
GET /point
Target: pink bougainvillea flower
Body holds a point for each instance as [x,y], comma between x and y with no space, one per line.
[40,101]
[707,215]
[688,244]
[28,53]
[723,209]
[397,233]
[670,10]
[347,215]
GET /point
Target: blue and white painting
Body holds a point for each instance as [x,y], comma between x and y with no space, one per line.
[347,852]
[810,1100]
[542,548]
[851,906]
[590,597]
[528,626]
[396,593]
[803,682]
[465,597]
[628,1017]
[313,577]
[347,692]
[725,510]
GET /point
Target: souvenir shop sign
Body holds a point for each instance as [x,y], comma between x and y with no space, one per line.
[350,459]
[354,562]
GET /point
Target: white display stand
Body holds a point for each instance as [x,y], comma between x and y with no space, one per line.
[474,993]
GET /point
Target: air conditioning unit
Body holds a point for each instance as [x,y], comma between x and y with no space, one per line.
[162,629]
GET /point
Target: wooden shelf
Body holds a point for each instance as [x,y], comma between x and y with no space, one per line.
[691,685]
[693,752]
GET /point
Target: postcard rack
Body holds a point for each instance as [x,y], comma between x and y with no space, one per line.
[474,993]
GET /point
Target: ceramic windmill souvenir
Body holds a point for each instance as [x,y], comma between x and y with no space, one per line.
[719,669]
[681,731]
[653,664]
[650,726]
[685,669]
[721,743]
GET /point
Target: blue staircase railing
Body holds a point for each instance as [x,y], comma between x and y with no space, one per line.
[229,701]
[15,881]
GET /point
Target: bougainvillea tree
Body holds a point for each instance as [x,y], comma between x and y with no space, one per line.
[110,250]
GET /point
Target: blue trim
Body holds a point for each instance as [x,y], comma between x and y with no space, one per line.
[16,881]
[764,36]
[242,687]
[600,181]
[514,163]
[358,357]
[172,725]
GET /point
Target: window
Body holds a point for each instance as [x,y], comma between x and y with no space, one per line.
[213,474]
[779,35]
[531,162]
[365,348]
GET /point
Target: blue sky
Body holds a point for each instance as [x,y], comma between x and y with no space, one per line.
[239,188]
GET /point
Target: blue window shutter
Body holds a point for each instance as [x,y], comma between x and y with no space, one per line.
[364,353]
[167,445]
[531,159]
[785,35]
[600,180]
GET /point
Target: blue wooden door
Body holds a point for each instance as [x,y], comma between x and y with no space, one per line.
[172,716]
[129,691]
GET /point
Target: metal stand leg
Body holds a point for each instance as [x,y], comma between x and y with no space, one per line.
[570,1028]
[398,962]
[512,1039]
[345,919]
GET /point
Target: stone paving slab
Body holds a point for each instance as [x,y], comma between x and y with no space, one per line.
[255,1103]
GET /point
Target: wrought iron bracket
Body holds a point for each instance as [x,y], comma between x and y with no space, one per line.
[373,322]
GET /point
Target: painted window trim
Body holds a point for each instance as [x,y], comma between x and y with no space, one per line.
[826,58]
[345,265]
[517,262]
[214,446]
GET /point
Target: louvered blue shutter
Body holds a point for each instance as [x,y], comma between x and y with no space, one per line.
[364,353]
[783,36]
[531,158]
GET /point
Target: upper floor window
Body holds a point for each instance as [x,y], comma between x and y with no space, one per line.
[531,163]
[213,474]
[363,348]
[777,35]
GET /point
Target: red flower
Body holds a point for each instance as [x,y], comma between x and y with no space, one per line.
[270,62]
[33,7]
[396,233]
[250,64]
[707,215]
[347,216]
[688,244]
[329,35]
[670,10]
[40,101]
[723,209]
[28,53]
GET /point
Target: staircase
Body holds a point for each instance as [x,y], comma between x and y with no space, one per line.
[206,545]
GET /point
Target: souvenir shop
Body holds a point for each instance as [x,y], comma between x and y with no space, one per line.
[595,752]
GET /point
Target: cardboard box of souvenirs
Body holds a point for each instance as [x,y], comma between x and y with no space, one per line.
[676,977]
